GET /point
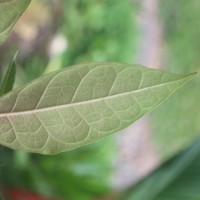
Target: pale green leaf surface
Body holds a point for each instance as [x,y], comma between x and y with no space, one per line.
[81,104]
[10,11]
[9,78]
[178,178]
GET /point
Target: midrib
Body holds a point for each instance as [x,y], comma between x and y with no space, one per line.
[92,100]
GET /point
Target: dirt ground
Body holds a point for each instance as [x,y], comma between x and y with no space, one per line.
[136,154]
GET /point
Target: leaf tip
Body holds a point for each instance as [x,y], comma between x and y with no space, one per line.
[190,76]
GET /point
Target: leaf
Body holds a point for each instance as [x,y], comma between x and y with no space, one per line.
[9,79]
[10,11]
[178,178]
[79,105]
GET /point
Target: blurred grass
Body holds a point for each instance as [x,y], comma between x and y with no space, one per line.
[176,123]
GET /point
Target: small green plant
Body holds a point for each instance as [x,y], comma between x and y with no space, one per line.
[76,106]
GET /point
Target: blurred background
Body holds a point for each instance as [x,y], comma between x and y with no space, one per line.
[53,34]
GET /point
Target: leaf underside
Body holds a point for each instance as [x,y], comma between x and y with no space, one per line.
[10,11]
[81,104]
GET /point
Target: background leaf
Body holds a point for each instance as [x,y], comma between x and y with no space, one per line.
[10,12]
[79,105]
[9,79]
[176,179]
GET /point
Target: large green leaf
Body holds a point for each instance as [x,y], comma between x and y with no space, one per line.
[178,178]
[10,11]
[9,78]
[79,105]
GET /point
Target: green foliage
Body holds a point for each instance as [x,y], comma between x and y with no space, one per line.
[10,12]
[182,43]
[99,31]
[33,67]
[9,79]
[176,179]
[79,105]
[182,47]
[79,174]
